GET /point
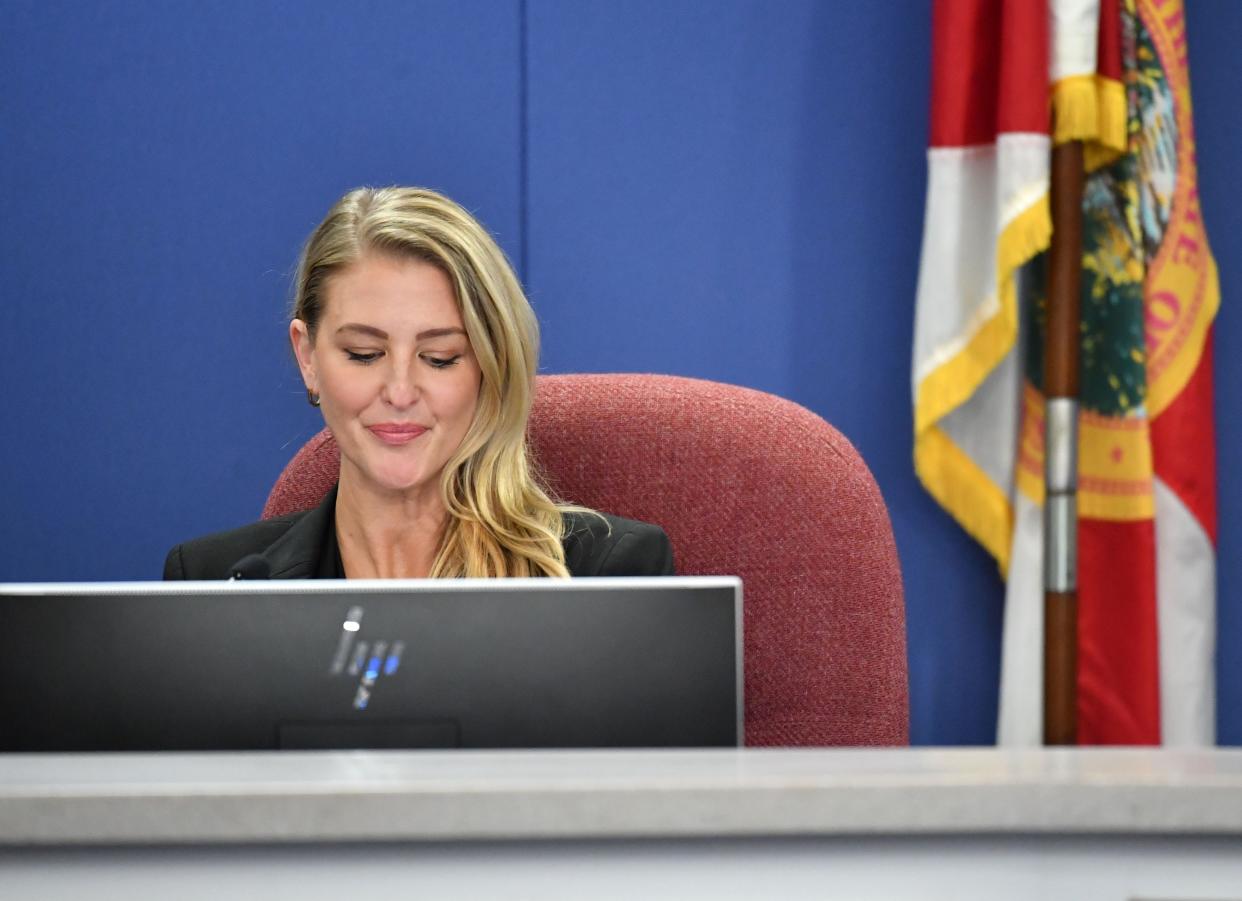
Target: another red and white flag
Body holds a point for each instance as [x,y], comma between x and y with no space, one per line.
[1147,516]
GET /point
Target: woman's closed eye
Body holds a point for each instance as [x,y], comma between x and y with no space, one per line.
[438,361]
[434,360]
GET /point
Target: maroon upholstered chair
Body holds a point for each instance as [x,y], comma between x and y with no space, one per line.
[744,483]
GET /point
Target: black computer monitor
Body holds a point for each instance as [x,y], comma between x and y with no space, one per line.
[506,663]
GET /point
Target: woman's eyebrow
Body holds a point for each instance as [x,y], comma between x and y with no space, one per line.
[383,335]
[364,329]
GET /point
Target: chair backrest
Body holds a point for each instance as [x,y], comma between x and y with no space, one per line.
[744,483]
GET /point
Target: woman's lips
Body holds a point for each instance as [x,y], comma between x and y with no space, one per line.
[396,433]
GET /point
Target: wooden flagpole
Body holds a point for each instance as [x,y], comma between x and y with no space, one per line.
[1061,388]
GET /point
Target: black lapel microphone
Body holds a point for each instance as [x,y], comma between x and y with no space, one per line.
[251,566]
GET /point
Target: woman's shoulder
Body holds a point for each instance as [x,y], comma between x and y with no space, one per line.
[211,556]
[600,544]
[292,546]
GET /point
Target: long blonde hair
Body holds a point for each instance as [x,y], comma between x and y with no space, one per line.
[501,521]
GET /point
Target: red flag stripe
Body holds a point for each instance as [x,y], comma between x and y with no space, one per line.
[1108,52]
[1183,441]
[985,57]
[1118,649]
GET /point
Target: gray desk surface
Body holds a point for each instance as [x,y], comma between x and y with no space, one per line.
[110,799]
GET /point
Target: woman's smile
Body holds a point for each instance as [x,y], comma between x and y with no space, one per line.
[396,433]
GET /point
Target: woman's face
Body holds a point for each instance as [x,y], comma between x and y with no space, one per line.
[393,367]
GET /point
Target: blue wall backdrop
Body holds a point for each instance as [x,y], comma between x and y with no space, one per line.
[730,191]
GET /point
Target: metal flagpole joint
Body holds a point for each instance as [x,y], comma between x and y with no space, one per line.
[1060,495]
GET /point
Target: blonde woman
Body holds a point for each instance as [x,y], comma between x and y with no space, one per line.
[416,342]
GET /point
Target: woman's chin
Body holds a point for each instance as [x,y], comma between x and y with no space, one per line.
[398,481]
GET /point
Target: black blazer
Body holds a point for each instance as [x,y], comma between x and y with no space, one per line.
[293,546]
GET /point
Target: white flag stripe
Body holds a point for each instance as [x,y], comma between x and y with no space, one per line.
[1186,614]
[1024,160]
[1073,31]
[957,284]
[987,427]
[1021,721]
[972,194]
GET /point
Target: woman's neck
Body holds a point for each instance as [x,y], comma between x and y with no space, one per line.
[387,536]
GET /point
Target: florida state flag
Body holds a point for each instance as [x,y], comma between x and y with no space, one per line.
[1010,77]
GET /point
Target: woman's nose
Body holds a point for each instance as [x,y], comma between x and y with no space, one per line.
[401,389]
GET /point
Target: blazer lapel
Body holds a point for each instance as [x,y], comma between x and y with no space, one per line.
[295,555]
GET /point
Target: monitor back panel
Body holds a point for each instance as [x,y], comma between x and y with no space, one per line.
[474,664]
